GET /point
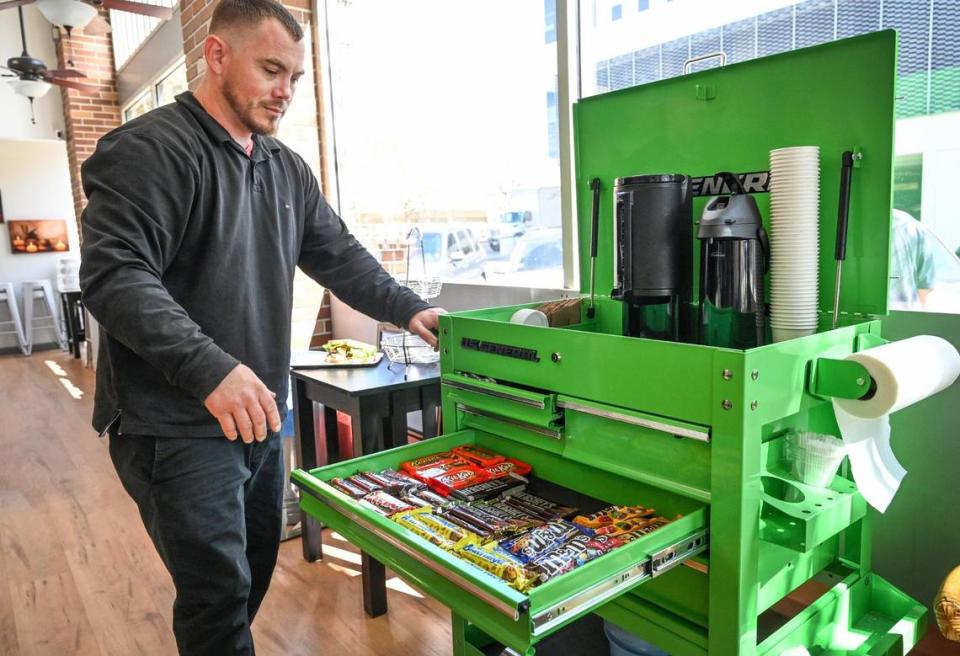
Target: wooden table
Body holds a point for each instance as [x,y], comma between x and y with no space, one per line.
[377,399]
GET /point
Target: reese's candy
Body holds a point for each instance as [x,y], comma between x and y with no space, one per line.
[348,487]
[478,455]
[385,504]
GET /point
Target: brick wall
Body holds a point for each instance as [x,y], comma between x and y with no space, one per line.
[87,117]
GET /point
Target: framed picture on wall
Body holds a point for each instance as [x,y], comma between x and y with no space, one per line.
[41,236]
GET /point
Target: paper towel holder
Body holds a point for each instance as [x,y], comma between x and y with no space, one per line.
[844,379]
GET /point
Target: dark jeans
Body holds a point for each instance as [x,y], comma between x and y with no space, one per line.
[214,510]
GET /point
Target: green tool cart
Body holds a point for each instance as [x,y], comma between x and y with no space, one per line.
[695,431]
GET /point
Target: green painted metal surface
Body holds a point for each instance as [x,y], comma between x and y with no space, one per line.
[858,615]
[461,585]
[685,428]
[838,96]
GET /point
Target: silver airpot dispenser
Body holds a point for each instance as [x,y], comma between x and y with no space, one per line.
[734,256]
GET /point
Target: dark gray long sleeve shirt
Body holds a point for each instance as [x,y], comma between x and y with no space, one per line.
[188,256]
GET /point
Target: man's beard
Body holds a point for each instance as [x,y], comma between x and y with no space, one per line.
[245,113]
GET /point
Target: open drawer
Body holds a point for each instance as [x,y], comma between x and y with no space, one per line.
[512,618]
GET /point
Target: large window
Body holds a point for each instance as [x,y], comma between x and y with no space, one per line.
[651,42]
[445,117]
[160,91]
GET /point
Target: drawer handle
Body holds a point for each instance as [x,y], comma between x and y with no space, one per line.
[545,432]
[497,394]
[703,436]
[500,605]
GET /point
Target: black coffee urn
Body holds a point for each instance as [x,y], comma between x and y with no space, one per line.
[654,226]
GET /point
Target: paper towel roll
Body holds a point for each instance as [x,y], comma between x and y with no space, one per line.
[904,372]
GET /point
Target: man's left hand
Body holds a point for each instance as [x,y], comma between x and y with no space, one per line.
[426,323]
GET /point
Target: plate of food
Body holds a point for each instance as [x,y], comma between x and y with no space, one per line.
[338,353]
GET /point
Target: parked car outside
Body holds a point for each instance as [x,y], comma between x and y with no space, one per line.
[536,261]
[450,251]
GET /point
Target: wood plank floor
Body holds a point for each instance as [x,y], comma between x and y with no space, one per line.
[78,574]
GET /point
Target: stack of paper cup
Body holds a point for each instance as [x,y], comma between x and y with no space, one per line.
[794,241]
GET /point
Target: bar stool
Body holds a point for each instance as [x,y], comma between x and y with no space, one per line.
[8,297]
[33,291]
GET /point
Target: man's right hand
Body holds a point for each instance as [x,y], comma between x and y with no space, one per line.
[243,404]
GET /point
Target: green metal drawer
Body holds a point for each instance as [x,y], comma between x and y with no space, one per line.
[514,619]
[530,407]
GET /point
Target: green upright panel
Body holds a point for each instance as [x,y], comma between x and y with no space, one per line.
[835,96]
[696,431]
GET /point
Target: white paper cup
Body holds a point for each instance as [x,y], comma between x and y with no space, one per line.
[530,317]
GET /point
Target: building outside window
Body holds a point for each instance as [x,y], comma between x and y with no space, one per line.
[627,53]
[445,129]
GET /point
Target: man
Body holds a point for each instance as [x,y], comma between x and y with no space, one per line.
[195,224]
[911,264]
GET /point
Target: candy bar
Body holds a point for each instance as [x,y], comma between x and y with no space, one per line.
[426,466]
[541,540]
[348,487]
[467,514]
[385,503]
[499,563]
[544,505]
[507,467]
[520,520]
[437,500]
[365,482]
[410,520]
[533,511]
[478,455]
[470,527]
[490,488]
[430,472]
[446,528]
[613,514]
[416,500]
[399,479]
[651,526]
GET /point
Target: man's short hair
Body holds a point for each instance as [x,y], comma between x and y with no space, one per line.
[249,13]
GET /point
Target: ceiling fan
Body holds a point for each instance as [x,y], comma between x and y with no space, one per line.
[78,13]
[34,78]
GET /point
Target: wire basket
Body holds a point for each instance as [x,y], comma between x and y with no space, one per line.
[407,348]
[425,288]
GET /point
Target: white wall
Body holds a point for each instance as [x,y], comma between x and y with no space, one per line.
[35,184]
[15,109]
